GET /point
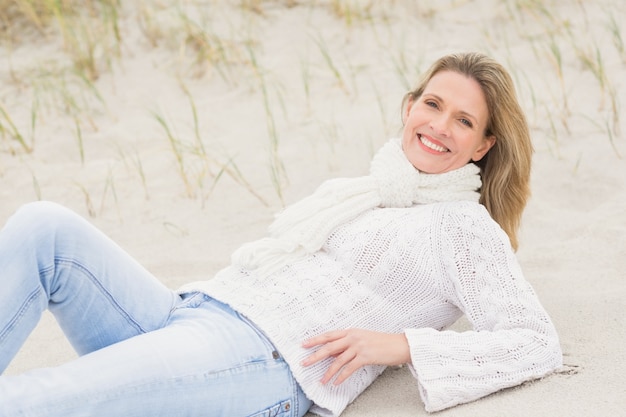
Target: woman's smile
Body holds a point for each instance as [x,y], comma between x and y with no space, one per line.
[431,144]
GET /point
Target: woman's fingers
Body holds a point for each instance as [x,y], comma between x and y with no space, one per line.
[347,369]
[354,348]
[323,338]
[339,364]
[332,344]
[338,345]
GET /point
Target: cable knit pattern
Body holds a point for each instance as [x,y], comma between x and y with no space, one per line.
[303,227]
[414,270]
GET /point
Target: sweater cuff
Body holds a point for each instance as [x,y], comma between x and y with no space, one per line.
[433,393]
[437,370]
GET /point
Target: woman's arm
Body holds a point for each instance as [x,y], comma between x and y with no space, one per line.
[513,339]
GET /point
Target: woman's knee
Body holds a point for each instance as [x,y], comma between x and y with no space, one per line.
[41,217]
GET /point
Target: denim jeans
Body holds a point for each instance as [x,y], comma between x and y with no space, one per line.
[144,350]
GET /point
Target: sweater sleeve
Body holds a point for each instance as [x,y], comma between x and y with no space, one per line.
[513,339]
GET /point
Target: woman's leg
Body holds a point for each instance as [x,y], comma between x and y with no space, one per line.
[206,362]
[52,258]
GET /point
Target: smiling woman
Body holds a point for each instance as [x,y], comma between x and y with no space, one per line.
[445,128]
[364,273]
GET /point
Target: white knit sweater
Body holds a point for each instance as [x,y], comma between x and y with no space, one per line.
[413,270]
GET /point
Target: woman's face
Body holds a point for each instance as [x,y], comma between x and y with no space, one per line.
[444,128]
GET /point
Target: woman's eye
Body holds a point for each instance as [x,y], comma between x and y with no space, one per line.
[466,122]
[431,103]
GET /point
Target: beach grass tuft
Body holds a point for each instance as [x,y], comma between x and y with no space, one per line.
[89,29]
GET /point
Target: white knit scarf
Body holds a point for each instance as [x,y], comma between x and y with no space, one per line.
[303,227]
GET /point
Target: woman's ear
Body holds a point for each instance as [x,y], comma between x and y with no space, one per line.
[481,151]
[407,110]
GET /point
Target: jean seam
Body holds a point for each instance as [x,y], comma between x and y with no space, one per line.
[16,318]
[272,411]
[266,340]
[92,278]
[295,410]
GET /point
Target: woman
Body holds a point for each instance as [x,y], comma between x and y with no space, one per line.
[365,273]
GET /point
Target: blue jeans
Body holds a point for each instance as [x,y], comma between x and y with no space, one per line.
[144,350]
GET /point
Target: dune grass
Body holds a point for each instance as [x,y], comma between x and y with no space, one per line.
[226,47]
[89,29]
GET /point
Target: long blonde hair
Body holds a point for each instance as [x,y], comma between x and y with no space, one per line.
[505,169]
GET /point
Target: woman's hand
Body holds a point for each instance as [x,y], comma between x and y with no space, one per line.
[354,348]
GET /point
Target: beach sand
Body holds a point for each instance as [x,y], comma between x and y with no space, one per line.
[299,93]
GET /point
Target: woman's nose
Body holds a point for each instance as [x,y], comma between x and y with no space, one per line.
[440,124]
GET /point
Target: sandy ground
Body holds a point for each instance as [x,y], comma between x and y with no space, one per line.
[306,93]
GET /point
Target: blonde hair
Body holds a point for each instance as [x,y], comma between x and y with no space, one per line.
[505,169]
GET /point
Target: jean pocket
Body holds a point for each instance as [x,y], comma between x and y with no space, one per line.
[282,409]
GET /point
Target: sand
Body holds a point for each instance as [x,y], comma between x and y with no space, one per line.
[307,92]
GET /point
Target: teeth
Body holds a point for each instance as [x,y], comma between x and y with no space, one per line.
[431,145]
